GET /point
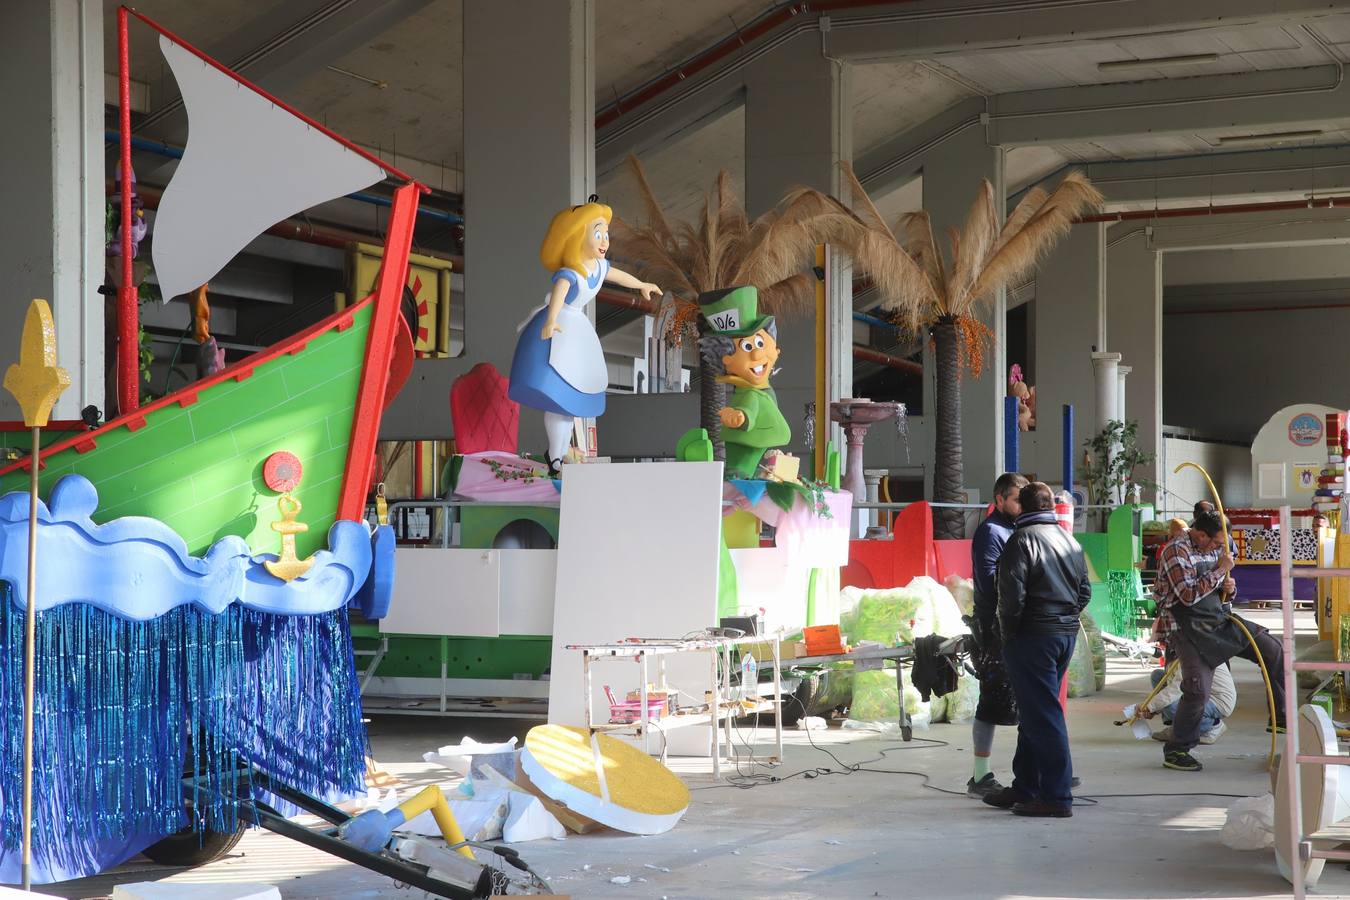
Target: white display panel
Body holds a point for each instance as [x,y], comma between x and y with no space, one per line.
[637,557]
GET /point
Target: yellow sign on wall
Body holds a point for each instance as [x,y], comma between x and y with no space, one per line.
[428,285]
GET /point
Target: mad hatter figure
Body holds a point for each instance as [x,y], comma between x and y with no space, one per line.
[747,345]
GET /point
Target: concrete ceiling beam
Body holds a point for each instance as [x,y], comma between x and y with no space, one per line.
[652,127]
[1284,172]
[1281,100]
[302,37]
[910,30]
[1251,266]
[899,159]
[1276,228]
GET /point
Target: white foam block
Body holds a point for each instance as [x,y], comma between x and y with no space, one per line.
[153,890]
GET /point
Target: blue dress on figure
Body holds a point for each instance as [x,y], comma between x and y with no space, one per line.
[565,374]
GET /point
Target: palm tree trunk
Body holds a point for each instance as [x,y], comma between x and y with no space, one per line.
[711,395]
[948,468]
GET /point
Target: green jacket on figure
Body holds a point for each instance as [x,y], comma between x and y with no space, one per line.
[764,427]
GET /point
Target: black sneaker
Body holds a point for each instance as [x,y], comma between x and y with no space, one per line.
[984,787]
[1181,761]
[1006,798]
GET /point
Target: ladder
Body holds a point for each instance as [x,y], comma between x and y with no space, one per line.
[1301,845]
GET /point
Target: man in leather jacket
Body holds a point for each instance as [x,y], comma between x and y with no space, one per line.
[1043,588]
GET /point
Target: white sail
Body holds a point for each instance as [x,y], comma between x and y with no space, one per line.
[248,164]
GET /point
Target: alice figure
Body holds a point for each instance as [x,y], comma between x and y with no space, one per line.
[559,366]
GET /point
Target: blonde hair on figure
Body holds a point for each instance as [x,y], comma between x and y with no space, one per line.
[567,232]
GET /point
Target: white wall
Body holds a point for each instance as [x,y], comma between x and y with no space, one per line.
[1268,360]
[1230,466]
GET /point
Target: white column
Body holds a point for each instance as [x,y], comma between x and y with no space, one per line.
[1105,370]
[1121,372]
[529,151]
[51,57]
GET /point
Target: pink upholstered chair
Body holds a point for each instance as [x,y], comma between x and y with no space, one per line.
[483,416]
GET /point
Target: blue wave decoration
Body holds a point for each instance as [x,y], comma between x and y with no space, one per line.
[152,663]
[139,568]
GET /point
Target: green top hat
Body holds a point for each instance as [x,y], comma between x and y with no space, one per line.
[733,312]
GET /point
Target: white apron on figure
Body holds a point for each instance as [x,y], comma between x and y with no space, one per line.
[575,354]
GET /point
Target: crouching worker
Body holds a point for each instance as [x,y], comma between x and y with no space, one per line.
[1222,702]
[1196,623]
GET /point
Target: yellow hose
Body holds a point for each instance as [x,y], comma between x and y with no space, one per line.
[1270,694]
[1167,676]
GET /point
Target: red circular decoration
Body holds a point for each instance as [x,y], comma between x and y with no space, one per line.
[282,471]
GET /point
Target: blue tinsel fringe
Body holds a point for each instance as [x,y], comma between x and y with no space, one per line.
[124,708]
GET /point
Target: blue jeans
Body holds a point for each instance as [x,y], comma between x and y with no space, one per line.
[1209,718]
[1042,766]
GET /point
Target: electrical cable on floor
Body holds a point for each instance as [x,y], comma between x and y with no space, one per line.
[746,780]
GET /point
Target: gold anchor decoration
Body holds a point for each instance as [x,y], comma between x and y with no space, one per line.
[288,566]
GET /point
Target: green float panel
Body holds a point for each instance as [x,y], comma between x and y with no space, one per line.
[418,656]
[196,464]
[1094,546]
[1124,530]
[480,525]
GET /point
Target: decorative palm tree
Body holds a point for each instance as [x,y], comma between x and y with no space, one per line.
[724,248]
[925,292]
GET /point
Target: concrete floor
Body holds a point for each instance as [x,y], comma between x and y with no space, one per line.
[866,834]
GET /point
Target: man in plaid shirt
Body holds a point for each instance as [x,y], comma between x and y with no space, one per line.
[1196,622]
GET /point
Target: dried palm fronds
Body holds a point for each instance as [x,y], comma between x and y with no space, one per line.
[724,248]
[1032,230]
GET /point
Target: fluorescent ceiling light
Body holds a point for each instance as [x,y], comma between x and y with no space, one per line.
[1157,62]
[380,85]
[1271,137]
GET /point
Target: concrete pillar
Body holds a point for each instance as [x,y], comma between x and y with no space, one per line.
[1134,330]
[529,151]
[798,126]
[1069,293]
[951,181]
[51,56]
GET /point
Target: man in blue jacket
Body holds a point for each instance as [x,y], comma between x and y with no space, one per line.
[1043,588]
[997,705]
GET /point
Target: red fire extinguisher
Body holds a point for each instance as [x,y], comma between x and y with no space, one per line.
[1064,513]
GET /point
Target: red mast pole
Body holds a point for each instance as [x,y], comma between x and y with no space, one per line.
[375,374]
[128,315]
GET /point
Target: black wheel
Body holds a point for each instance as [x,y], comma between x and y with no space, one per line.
[192,848]
[795,704]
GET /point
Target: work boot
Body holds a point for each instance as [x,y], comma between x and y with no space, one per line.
[984,787]
[1181,761]
[1007,798]
[1042,810]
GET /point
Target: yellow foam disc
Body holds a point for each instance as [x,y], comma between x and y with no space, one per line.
[642,795]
